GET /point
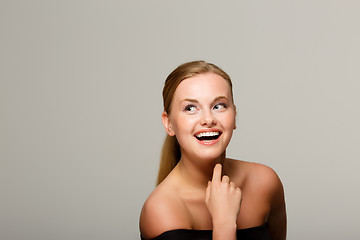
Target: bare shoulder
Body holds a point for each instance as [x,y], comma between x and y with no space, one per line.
[271,188]
[262,181]
[258,176]
[265,175]
[162,211]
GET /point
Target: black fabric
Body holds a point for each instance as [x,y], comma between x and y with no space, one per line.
[254,233]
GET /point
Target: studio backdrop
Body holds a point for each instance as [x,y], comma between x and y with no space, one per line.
[80,107]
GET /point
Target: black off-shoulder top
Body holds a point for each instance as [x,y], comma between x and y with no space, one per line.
[254,233]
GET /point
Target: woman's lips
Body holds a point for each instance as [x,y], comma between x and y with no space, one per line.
[208,136]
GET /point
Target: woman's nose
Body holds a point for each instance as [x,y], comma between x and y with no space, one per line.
[207,119]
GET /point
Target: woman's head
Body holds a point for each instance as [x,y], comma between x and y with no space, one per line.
[203,85]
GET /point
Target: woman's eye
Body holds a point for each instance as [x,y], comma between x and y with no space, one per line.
[190,108]
[220,106]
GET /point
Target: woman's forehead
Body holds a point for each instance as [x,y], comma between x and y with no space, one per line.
[203,85]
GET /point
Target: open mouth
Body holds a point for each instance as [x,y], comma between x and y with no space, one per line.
[208,136]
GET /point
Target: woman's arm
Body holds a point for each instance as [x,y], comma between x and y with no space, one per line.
[223,202]
[277,217]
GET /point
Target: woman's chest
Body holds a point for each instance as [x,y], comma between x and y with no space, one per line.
[253,212]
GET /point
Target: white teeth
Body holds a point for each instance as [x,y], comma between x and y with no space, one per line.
[207,134]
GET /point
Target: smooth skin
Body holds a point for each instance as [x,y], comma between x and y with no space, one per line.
[206,190]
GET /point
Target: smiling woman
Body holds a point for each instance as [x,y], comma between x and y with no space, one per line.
[202,194]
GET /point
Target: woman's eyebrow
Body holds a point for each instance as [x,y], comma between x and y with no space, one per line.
[190,100]
[220,97]
[196,101]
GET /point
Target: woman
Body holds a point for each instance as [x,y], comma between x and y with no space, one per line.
[202,194]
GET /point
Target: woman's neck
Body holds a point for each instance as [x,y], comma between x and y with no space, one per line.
[197,173]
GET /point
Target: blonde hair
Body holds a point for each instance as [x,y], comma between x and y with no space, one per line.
[171,154]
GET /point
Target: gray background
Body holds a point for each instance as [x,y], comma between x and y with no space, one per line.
[80,101]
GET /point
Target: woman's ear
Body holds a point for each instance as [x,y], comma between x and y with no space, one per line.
[167,124]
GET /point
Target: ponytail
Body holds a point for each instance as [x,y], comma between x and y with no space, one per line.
[170,156]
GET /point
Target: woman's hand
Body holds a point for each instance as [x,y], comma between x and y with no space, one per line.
[223,202]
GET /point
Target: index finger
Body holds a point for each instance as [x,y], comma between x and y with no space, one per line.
[217,173]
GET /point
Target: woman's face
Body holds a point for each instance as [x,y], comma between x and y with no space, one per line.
[202,116]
